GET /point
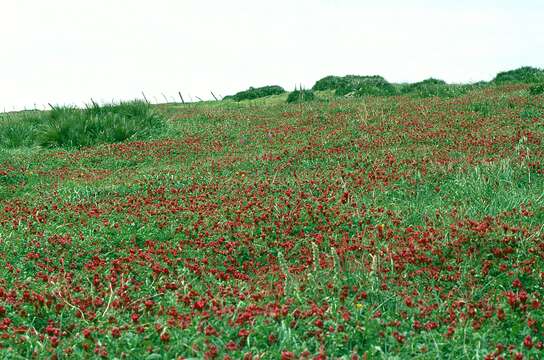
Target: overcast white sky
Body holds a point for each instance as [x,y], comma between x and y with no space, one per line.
[67,51]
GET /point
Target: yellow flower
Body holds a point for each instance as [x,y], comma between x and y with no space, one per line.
[359,306]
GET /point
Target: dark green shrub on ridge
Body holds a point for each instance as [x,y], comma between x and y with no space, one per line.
[414,87]
[525,74]
[255,93]
[330,82]
[357,85]
[300,96]
[365,85]
[377,87]
[434,87]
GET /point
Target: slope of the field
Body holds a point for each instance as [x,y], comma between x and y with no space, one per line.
[384,227]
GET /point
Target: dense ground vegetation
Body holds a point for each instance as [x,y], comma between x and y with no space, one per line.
[256,93]
[525,74]
[300,95]
[71,127]
[374,227]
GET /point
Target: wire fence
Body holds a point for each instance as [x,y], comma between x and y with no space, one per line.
[152,98]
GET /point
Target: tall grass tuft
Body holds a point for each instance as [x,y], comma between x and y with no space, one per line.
[71,127]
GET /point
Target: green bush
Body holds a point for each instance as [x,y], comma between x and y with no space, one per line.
[330,82]
[365,85]
[255,93]
[435,87]
[376,88]
[70,127]
[415,87]
[524,74]
[537,89]
[300,96]
[357,85]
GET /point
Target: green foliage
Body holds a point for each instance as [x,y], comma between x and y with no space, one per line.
[531,112]
[525,74]
[537,89]
[482,108]
[435,87]
[301,95]
[357,85]
[255,93]
[330,82]
[418,86]
[379,228]
[19,130]
[71,127]
[365,85]
[375,88]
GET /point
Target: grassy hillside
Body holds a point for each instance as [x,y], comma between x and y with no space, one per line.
[382,227]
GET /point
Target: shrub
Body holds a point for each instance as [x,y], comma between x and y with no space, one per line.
[255,93]
[415,87]
[330,82]
[524,74]
[435,87]
[300,96]
[537,89]
[355,85]
[376,88]
[71,127]
[365,85]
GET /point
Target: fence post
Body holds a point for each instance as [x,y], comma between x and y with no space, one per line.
[165,98]
[147,101]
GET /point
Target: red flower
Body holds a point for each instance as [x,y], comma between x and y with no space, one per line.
[148,304]
[399,337]
[165,337]
[54,341]
[287,355]
[115,332]
[500,314]
[231,345]
[135,317]
[199,305]
[528,342]
[86,333]
[210,331]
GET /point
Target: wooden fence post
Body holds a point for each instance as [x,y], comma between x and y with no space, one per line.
[147,101]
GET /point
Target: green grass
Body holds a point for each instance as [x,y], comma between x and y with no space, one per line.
[68,127]
[388,227]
